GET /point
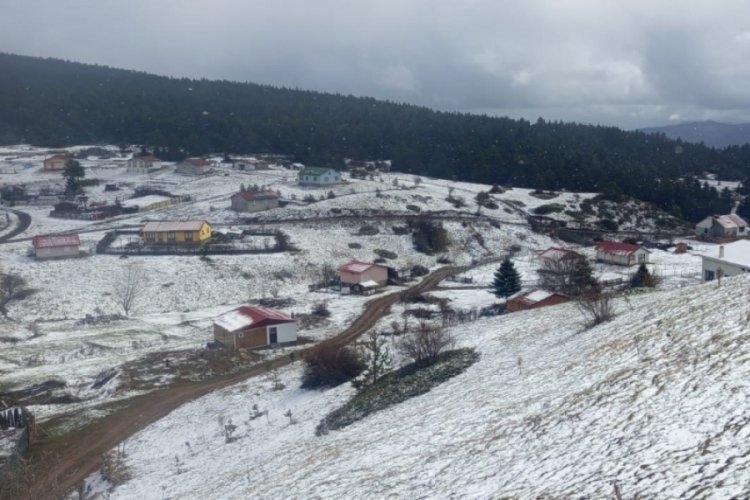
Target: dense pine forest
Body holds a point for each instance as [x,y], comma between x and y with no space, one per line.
[57,103]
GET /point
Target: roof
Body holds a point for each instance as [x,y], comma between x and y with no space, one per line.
[247,315]
[197,162]
[147,158]
[618,248]
[55,240]
[534,296]
[737,253]
[316,171]
[261,195]
[58,157]
[173,225]
[557,253]
[145,200]
[369,284]
[357,266]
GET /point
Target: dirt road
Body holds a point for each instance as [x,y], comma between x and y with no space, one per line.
[24,221]
[59,465]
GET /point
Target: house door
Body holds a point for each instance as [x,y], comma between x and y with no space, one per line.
[273,335]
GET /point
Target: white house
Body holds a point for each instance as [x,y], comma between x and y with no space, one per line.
[721,226]
[726,260]
[319,176]
[193,166]
[143,164]
[56,246]
[249,201]
[621,254]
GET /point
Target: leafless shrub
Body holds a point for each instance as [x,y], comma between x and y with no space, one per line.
[129,287]
[596,306]
[114,469]
[12,288]
[425,343]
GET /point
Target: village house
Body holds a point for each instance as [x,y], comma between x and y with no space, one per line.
[726,260]
[621,254]
[178,232]
[56,163]
[193,166]
[249,201]
[557,254]
[251,326]
[319,176]
[143,164]
[362,277]
[721,227]
[58,246]
[534,299]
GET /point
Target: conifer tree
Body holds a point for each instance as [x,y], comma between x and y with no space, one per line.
[507,280]
[642,278]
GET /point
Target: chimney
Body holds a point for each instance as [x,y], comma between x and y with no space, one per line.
[721,251]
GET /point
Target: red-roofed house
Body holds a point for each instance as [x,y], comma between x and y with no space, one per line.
[362,276]
[56,163]
[254,326]
[248,201]
[143,164]
[621,254]
[57,246]
[534,299]
[721,227]
[193,166]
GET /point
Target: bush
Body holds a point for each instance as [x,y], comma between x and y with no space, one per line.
[368,230]
[596,306]
[329,366]
[321,310]
[418,270]
[429,237]
[400,230]
[407,382]
[413,208]
[424,345]
[385,254]
[309,198]
[355,245]
[608,224]
[642,278]
[549,208]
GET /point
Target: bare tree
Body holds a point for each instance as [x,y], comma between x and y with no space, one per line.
[425,344]
[376,357]
[129,287]
[12,288]
[596,306]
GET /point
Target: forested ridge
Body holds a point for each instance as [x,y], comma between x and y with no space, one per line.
[56,103]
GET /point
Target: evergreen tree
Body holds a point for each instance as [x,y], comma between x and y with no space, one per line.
[582,278]
[73,174]
[642,278]
[507,280]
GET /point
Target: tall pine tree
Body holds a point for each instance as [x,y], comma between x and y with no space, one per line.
[507,280]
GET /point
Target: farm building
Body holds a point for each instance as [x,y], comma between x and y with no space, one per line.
[719,227]
[534,299]
[143,164]
[557,254]
[56,246]
[254,326]
[319,176]
[621,254]
[148,202]
[363,277]
[726,260]
[178,232]
[193,166]
[56,163]
[248,201]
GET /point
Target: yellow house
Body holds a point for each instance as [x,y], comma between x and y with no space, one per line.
[176,232]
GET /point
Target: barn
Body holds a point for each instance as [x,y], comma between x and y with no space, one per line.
[534,299]
[363,277]
[56,246]
[251,326]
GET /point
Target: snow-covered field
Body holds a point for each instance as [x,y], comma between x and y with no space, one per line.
[653,403]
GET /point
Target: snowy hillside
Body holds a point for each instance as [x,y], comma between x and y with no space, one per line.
[653,404]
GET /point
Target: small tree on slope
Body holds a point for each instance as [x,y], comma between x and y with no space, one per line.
[507,280]
[642,278]
[376,357]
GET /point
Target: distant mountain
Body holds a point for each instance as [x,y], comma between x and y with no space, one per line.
[710,133]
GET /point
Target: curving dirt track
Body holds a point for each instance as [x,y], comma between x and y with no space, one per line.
[58,466]
[24,221]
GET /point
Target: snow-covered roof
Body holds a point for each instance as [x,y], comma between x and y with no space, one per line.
[145,200]
[737,253]
[58,157]
[198,162]
[533,296]
[357,266]
[316,171]
[556,253]
[369,284]
[173,225]
[728,221]
[247,315]
[538,295]
[55,240]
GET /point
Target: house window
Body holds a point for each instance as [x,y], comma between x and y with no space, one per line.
[188,236]
[273,335]
[150,237]
[709,275]
[170,236]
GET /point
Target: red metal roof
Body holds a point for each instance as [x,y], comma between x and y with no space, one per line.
[247,315]
[198,162]
[58,157]
[55,240]
[616,247]
[357,266]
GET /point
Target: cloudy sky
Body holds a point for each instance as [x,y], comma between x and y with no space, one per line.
[629,63]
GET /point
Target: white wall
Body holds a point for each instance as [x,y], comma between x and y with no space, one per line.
[287,332]
[727,269]
[52,252]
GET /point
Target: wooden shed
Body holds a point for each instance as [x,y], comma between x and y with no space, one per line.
[251,326]
[534,299]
